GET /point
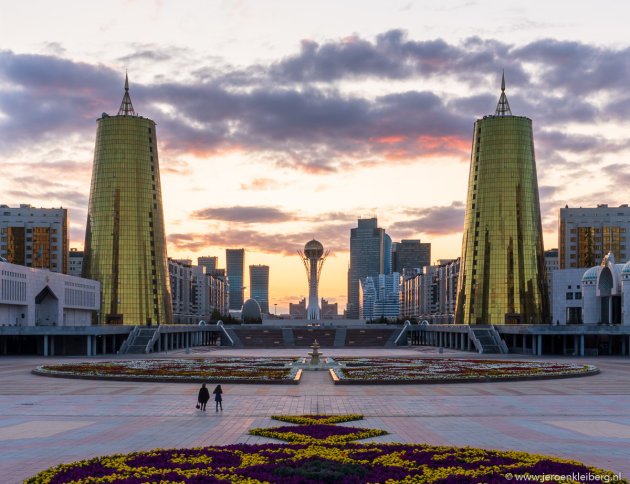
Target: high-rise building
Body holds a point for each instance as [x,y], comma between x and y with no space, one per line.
[551,265]
[298,310]
[329,310]
[35,237]
[210,263]
[410,254]
[586,235]
[380,297]
[502,278]
[259,286]
[125,245]
[235,268]
[368,256]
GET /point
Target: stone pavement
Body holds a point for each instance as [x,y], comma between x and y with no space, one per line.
[45,421]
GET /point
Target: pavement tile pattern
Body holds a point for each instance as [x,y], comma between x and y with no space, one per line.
[45,421]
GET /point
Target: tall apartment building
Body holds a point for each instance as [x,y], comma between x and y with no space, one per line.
[380,297]
[35,237]
[370,255]
[259,286]
[235,268]
[586,235]
[432,293]
[196,294]
[410,254]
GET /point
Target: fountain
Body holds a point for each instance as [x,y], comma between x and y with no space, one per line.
[315,354]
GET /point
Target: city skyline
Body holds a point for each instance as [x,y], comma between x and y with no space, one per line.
[278,135]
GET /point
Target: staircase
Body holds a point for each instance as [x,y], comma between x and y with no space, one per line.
[340,338]
[137,341]
[487,340]
[368,337]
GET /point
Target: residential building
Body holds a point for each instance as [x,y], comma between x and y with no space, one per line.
[410,254]
[329,310]
[502,278]
[235,268]
[380,297]
[209,262]
[551,265]
[35,237]
[298,311]
[125,243]
[259,286]
[370,251]
[586,235]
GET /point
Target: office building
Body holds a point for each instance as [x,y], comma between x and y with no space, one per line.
[329,310]
[125,245]
[551,265]
[502,278]
[410,254]
[75,262]
[259,286]
[586,235]
[35,237]
[369,251]
[235,269]
[298,310]
[34,297]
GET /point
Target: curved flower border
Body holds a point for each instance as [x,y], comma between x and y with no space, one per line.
[316,432]
[348,463]
[319,419]
[356,370]
[185,370]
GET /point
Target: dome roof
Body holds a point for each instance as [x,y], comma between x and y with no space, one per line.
[313,249]
[251,309]
[591,274]
[626,268]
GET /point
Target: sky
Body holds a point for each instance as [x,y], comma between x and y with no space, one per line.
[283,120]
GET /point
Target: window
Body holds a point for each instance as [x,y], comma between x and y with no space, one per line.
[569,296]
[578,295]
[573,231]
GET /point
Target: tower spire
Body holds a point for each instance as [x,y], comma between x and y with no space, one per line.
[503,107]
[126,108]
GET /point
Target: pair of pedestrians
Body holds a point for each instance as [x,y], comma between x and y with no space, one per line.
[204,396]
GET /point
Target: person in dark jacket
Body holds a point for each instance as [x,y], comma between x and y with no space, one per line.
[204,396]
[217,397]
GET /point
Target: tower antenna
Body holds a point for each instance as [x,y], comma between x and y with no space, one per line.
[126,108]
[503,107]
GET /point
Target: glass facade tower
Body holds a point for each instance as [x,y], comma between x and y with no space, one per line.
[125,244]
[235,269]
[502,277]
[259,286]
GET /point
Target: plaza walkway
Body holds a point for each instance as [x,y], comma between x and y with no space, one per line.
[45,421]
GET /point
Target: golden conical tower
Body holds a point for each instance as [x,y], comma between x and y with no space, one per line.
[502,277]
[125,244]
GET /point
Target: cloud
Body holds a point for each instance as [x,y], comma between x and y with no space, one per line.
[260,184]
[436,220]
[247,215]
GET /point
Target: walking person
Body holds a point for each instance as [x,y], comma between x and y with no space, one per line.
[217,397]
[202,399]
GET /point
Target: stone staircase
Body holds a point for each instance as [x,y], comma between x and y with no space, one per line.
[138,340]
[487,340]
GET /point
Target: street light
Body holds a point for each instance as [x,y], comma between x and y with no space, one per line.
[275,308]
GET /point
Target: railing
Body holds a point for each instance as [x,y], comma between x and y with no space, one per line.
[132,336]
[402,331]
[224,331]
[499,341]
[476,342]
[151,343]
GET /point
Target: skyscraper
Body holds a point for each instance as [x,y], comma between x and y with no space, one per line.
[502,276]
[125,245]
[368,256]
[410,254]
[235,269]
[35,237]
[259,286]
[210,263]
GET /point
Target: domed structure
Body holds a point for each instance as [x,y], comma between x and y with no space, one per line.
[313,249]
[591,274]
[251,309]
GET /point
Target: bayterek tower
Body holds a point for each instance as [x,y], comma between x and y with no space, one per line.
[313,258]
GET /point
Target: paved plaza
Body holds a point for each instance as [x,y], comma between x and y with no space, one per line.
[45,421]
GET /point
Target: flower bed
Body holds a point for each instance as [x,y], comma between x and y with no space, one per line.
[229,370]
[445,370]
[317,433]
[348,463]
[312,419]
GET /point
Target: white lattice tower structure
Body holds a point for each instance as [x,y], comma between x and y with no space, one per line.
[313,258]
